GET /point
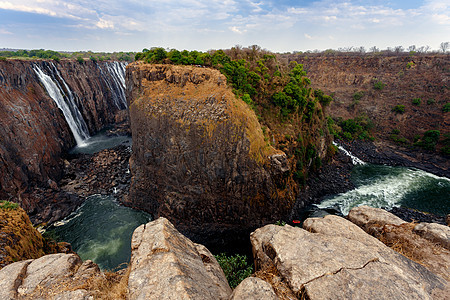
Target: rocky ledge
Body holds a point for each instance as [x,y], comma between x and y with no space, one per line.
[329,258]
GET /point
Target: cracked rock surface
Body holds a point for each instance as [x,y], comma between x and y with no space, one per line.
[333,258]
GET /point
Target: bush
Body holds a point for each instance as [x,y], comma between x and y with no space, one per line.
[431,101]
[8,205]
[235,268]
[429,140]
[2,58]
[358,95]
[80,59]
[379,85]
[399,109]
[446,107]
[416,101]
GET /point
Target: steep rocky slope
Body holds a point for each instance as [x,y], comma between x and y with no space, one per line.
[405,78]
[199,155]
[34,132]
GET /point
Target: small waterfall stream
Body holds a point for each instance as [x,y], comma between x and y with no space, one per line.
[114,75]
[71,112]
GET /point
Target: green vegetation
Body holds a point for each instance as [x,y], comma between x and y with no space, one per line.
[378,85]
[57,56]
[358,95]
[429,140]
[6,205]
[80,59]
[235,268]
[280,223]
[399,109]
[410,65]
[431,101]
[416,101]
[446,107]
[351,129]
[446,142]
[395,136]
[2,58]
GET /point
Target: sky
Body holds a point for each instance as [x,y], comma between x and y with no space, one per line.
[279,26]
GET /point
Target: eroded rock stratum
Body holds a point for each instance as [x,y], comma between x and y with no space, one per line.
[199,154]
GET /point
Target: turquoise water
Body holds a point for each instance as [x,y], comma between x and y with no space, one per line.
[101,230]
[386,187]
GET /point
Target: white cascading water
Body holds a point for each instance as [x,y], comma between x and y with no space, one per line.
[355,160]
[71,113]
[116,71]
[386,187]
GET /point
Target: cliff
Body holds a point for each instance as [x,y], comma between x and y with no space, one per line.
[405,78]
[18,239]
[199,155]
[34,132]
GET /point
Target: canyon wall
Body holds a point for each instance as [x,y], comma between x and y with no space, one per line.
[405,78]
[199,155]
[34,132]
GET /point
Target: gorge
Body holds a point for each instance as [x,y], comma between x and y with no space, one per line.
[189,132]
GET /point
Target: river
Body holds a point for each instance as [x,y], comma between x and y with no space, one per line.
[387,187]
[101,228]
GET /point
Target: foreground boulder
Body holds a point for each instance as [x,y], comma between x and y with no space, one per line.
[425,243]
[335,259]
[53,276]
[167,265]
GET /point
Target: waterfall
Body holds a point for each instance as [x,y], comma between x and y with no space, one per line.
[66,104]
[355,160]
[114,76]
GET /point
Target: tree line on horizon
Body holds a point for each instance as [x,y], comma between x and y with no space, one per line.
[57,56]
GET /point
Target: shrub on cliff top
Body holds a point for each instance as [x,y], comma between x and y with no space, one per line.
[8,205]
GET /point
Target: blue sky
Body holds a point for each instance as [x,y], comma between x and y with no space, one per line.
[281,26]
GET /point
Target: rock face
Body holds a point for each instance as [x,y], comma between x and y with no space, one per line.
[34,132]
[335,259]
[405,79]
[199,156]
[18,239]
[167,265]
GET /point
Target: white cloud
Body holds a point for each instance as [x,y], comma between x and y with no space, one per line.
[105,24]
[4,31]
[308,36]
[237,30]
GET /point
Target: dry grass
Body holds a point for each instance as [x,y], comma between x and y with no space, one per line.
[113,285]
[272,276]
[403,240]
